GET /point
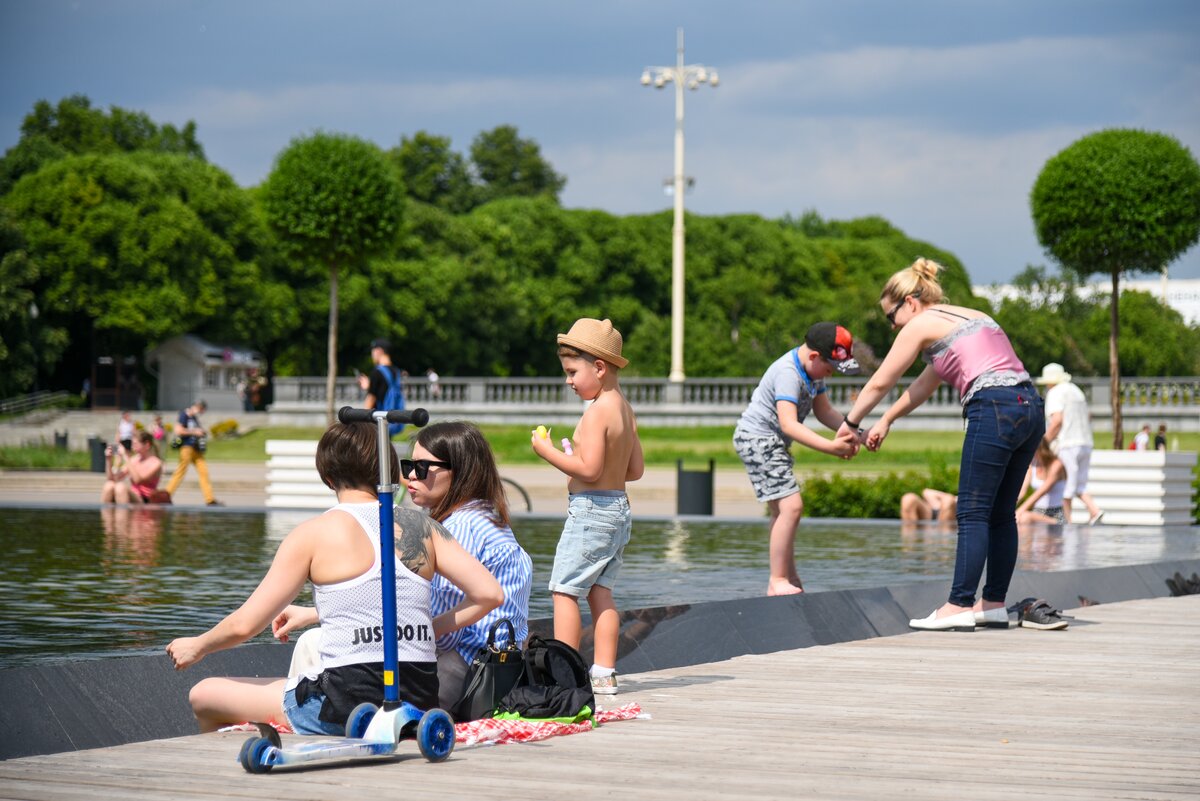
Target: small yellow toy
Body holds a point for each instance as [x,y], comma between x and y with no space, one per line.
[542,432]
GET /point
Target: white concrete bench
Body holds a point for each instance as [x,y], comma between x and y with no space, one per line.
[1140,488]
[292,478]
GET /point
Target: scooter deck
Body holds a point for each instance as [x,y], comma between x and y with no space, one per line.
[322,750]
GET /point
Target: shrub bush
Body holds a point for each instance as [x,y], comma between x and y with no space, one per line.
[226,429]
[845,496]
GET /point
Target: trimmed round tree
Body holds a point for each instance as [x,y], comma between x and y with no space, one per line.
[1118,201]
[334,200]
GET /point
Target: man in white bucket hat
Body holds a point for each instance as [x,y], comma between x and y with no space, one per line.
[1068,420]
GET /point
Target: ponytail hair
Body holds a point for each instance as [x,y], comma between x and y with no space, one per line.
[146,437]
[919,279]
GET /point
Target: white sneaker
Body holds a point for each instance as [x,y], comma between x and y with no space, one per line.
[992,618]
[605,685]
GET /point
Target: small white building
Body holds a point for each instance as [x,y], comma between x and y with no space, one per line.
[190,369]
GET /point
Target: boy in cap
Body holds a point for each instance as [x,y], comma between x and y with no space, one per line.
[606,454]
[790,388]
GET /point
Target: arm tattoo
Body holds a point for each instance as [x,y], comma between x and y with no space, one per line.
[415,528]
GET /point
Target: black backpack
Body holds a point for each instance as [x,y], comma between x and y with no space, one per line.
[555,683]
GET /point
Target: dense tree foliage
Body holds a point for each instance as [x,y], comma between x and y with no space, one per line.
[73,127]
[1118,201]
[1055,319]
[120,236]
[334,200]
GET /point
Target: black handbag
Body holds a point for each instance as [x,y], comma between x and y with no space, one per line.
[493,672]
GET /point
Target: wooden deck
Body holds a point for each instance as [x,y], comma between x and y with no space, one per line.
[1109,708]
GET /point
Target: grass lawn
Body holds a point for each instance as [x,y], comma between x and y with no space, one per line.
[904,450]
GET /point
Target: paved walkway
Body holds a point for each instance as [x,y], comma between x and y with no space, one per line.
[1107,709]
[244,485]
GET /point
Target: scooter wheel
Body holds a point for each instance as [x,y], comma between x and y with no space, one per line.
[360,718]
[253,755]
[435,735]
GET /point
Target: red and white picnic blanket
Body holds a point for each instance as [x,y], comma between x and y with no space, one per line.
[498,732]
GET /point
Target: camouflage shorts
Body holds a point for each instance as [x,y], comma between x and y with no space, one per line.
[768,464]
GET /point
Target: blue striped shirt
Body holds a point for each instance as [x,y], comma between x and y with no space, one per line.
[497,548]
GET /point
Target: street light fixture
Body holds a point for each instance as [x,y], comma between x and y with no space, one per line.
[690,76]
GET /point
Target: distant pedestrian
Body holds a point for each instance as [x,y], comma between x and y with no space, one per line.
[1070,423]
[384,385]
[192,441]
[1160,439]
[435,388]
[125,429]
[1141,441]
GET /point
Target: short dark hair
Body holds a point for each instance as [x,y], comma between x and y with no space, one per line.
[348,457]
[570,352]
[474,475]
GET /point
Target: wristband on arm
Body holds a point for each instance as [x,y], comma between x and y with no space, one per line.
[855,426]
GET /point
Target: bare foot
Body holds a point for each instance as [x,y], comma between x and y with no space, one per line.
[782,587]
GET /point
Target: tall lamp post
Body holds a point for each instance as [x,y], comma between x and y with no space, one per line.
[688,76]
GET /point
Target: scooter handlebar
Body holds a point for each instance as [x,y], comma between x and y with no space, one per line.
[415,417]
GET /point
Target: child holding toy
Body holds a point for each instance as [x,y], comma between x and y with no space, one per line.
[606,454]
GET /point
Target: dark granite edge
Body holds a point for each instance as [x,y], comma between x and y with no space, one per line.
[46,709]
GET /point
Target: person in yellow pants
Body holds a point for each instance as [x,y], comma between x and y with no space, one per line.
[191,451]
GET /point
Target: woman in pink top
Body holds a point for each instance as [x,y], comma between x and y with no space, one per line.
[135,480]
[1005,422]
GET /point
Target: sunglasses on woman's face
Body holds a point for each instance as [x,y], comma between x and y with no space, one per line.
[891,316]
[421,467]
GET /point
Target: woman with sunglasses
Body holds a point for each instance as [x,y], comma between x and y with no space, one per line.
[339,553]
[1004,424]
[453,476]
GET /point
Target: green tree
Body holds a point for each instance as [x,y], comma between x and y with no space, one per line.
[509,166]
[130,248]
[433,173]
[28,341]
[1118,201]
[334,199]
[73,126]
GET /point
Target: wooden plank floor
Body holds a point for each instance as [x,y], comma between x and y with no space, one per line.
[1109,709]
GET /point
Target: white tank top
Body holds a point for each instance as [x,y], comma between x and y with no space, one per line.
[1053,499]
[351,611]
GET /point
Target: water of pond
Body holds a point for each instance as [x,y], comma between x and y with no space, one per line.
[119,582]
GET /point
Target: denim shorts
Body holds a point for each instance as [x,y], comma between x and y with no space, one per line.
[303,718]
[592,546]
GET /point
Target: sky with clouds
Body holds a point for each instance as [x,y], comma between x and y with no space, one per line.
[936,114]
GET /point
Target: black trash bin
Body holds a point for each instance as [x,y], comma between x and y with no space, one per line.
[694,490]
[60,440]
[96,447]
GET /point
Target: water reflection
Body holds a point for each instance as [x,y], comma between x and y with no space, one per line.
[122,581]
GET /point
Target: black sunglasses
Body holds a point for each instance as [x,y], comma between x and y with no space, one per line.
[421,467]
[891,316]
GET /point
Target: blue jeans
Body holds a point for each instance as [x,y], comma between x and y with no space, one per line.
[1004,426]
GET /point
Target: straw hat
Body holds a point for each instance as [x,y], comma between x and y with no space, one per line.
[595,337]
[1053,374]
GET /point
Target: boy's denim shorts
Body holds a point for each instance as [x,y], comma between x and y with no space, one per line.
[303,718]
[592,546]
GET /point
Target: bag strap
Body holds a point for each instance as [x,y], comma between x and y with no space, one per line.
[512,635]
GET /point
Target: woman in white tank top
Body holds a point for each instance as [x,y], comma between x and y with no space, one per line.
[338,551]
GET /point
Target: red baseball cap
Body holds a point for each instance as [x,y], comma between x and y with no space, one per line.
[834,344]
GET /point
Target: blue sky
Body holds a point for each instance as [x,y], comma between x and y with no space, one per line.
[936,114]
